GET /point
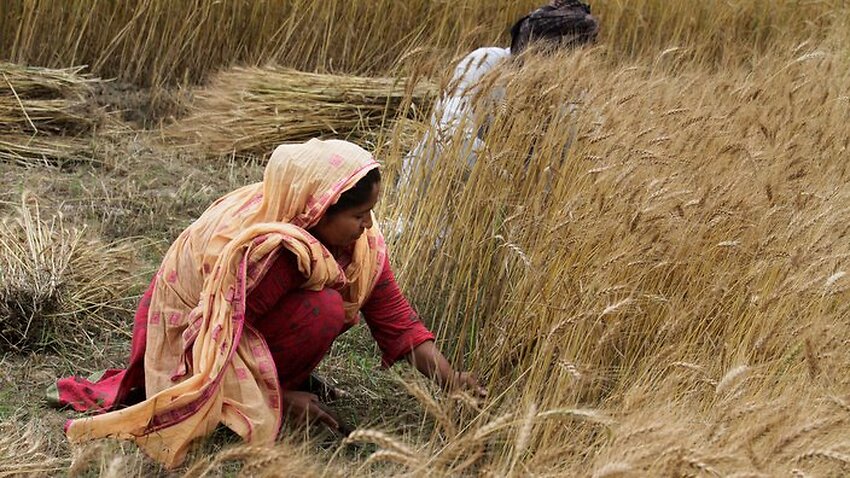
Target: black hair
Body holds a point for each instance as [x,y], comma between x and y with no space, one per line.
[357,195]
[515,35]
[564,22]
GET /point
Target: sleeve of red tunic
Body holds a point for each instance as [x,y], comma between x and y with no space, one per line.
[393,322]
[282,278]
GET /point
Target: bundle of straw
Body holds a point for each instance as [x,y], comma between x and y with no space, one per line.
[43,114]
[58,286]
[252,110]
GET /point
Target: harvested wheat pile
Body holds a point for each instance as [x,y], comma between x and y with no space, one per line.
[45,114]
[252,110]
[57,286]
[43,150]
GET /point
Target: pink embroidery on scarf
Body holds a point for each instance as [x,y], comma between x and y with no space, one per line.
[191,332]
[185,363]
[262,354]
[241,373]
[254,200]
[336,160]
[264,367]
[314,206]
[155,318]
[217,332]
[239,293]
[299,220]
[174,318]
[171,417]
[172,277]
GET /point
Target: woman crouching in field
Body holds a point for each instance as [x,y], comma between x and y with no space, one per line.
[248,300]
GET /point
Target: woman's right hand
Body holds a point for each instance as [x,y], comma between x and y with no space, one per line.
[304,408]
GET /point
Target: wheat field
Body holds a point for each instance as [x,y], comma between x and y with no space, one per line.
[647,266]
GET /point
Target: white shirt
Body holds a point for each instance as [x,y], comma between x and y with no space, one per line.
[456,106]
[454,111]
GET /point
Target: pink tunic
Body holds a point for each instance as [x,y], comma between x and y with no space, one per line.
[394,324]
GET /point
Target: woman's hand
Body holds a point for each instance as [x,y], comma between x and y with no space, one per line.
[431,363]
[465,381]
[304,408]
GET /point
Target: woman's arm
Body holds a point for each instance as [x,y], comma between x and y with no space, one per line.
[394,324]
[428,359]
[399,333]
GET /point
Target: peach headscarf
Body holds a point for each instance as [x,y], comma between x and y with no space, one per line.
[203,364]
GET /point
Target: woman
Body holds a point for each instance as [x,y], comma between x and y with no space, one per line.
[246,303]
[560,24]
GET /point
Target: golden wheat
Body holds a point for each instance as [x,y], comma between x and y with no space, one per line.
[21,452]
[252,110]
[155,42]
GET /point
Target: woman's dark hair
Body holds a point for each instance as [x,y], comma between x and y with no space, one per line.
[358,195]
[562,22]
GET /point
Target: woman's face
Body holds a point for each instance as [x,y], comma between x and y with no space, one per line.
[342,228]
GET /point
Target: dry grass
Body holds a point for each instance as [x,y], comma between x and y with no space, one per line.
[48,152]
[648,264]
[44,100]
[58,287]
[21,452]
[284,459]
[43,115]
[252,110]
